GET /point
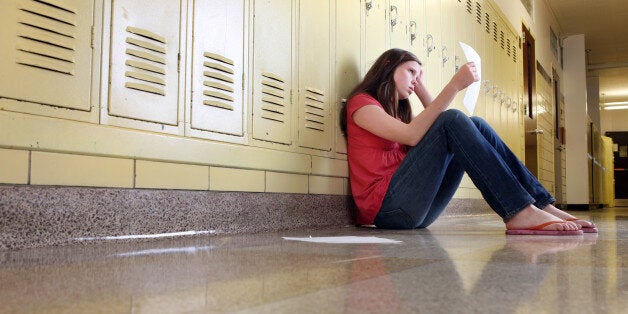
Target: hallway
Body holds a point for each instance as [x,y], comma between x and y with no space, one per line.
[462,264]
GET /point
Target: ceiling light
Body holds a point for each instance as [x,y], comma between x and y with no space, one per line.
[615,107]
[614,103]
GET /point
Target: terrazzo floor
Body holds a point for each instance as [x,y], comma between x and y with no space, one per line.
[462,264]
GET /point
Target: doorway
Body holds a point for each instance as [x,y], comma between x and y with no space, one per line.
[529,99]
[620,155]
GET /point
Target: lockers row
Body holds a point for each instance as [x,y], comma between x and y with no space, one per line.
[264,72]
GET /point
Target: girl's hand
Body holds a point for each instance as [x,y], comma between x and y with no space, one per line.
[466,75]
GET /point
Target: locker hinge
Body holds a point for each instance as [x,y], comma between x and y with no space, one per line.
[91,40]
[242,81]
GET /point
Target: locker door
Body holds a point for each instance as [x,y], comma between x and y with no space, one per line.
[492,69]
[376,28]
[447,48]
[431,44]
[347,58]
[479,34]
[487,61]
[46,52]
[463,26]
[416,28]
[217,66]
[272,70]
[315,127]
[398,21]
[144,78]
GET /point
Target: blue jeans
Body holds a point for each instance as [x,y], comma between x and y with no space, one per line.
[429,175]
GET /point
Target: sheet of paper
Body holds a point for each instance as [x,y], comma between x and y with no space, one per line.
[473,90]
[344,240]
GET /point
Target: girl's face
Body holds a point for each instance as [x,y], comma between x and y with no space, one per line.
[405,77]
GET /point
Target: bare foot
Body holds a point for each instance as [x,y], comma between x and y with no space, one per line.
[531,216]
[566,216]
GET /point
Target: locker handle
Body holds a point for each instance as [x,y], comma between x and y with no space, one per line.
[487,87]
[456,63]
[429,43]
[412,31]
[495,91]
[369,6]
[444,54]
[393,21]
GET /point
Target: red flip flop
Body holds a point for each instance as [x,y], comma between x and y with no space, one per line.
[536,230]
[584,229]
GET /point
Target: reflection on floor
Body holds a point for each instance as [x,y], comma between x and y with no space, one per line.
[461,264]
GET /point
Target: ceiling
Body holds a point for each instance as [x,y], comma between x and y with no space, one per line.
[605,26]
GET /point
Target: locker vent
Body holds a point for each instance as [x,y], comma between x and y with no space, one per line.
[314,109]
[495,31]
[146,61]
[46,35]
[478,13]
[469,7]
[219,73]
[514,53]
[501,39]
[487,20]
[508,47]
[273,98]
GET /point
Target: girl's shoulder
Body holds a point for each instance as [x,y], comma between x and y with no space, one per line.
[360,100]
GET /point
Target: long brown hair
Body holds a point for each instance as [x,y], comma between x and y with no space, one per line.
[380,84]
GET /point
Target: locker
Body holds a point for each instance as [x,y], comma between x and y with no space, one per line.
[272,71]
[46,48]
[432,44]
[376,31]
[479,34]
[144,77]
[217,66]
[447,48]
[464,30]
[314,53]
[398,23]
[416,28]
[347,59]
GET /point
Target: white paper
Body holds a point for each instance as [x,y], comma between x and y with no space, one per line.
[473,90]
[344,240]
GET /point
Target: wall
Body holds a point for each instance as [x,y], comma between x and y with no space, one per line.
[576,122]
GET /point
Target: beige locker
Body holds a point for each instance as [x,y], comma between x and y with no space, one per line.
[399,24]
[432,42]
[449,39]
[314,55]
[46,52]
[217,66]
[488,65]
[463,29]
[144,60]
[480,42]
[416,28]
[347,59]
[376,30]
[272,71]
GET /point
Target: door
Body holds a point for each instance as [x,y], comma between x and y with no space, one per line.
[315,127]
[217,66]
[529,99]
[46,48]
[272,70]
[144,75]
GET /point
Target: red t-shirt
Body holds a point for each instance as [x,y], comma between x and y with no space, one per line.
[372,162]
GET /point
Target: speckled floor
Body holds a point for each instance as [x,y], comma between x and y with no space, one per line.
[460,265]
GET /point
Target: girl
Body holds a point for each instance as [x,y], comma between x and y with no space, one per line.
[404,169]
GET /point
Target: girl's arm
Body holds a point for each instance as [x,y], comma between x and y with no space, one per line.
[375,120]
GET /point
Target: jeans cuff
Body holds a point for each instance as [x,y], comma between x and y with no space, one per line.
[545,202]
